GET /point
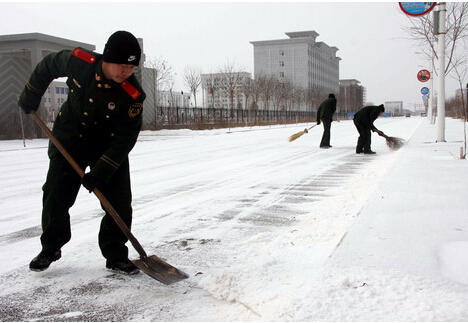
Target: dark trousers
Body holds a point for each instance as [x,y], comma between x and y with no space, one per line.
[60,191]
[326,133]
[364,140]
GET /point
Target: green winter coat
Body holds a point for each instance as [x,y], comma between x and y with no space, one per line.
[100,117]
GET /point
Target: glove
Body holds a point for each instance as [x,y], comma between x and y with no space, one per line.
[26,108]
[379,132]
[318,122]
[90,181]
[29,102]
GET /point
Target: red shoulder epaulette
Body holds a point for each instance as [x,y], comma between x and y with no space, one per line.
[130,89]
[83,55]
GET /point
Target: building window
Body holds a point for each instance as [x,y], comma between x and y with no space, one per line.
[57,90]
[281,52]
[281,63]
[281,74]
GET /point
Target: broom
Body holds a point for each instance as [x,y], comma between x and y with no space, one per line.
[393,143]
[300,133]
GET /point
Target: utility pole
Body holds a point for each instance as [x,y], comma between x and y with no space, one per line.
[441,59]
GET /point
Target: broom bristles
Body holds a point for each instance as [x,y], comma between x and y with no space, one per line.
[395,143]
[296,135]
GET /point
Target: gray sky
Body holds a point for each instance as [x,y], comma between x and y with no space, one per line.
[207,35]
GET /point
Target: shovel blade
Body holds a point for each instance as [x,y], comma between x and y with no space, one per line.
[160,270]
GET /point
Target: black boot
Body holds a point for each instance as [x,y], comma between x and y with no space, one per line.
[43,260]
[124,266]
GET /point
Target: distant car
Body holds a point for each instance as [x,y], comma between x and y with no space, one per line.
[408,115]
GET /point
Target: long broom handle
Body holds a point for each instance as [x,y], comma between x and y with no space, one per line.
[96,191]
[383,135]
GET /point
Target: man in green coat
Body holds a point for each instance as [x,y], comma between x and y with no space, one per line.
[98,125]
[325,114]
[364,122]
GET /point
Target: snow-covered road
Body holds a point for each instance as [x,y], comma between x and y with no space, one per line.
[255,221]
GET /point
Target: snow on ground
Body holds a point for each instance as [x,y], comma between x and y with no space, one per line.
[267,230]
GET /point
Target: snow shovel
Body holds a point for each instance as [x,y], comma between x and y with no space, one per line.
[150,265]
[300,133]
[393,143]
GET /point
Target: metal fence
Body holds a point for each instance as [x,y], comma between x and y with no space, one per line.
[200,118]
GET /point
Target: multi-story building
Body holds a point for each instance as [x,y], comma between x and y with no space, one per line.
[219,89]
[351,96]
[300,59]
[55,95]
[19,55]
[394,108]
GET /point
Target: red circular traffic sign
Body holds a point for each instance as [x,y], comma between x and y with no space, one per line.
[416,9]
[424,75]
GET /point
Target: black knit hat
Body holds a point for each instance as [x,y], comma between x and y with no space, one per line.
[331,96]
[122,48]
[382,108]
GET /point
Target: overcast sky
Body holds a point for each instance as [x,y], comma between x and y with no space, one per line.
[369,35]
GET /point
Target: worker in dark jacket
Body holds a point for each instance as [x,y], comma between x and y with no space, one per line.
[364,122]
[325,114]
[98,125]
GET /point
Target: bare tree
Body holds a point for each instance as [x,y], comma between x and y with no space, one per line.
[299,96]
[267,86]
[230,81]
[247,89]
[422,28]
[278,96]
[287,93]
[192,77]
[256,92]
[162,73]
[315,96]
[211,86]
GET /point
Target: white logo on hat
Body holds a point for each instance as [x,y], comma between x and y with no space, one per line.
[132,58]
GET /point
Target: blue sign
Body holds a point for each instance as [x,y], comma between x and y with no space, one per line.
[417,8]
[425,90]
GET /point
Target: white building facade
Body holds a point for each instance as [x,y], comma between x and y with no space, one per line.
[217,88]
[394,108]
[53,98]
[301,60]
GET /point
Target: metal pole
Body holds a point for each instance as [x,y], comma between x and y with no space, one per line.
[22,126]
[464,122]
[441,59]
[431,92]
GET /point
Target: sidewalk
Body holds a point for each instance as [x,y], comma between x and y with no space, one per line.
[416,221]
